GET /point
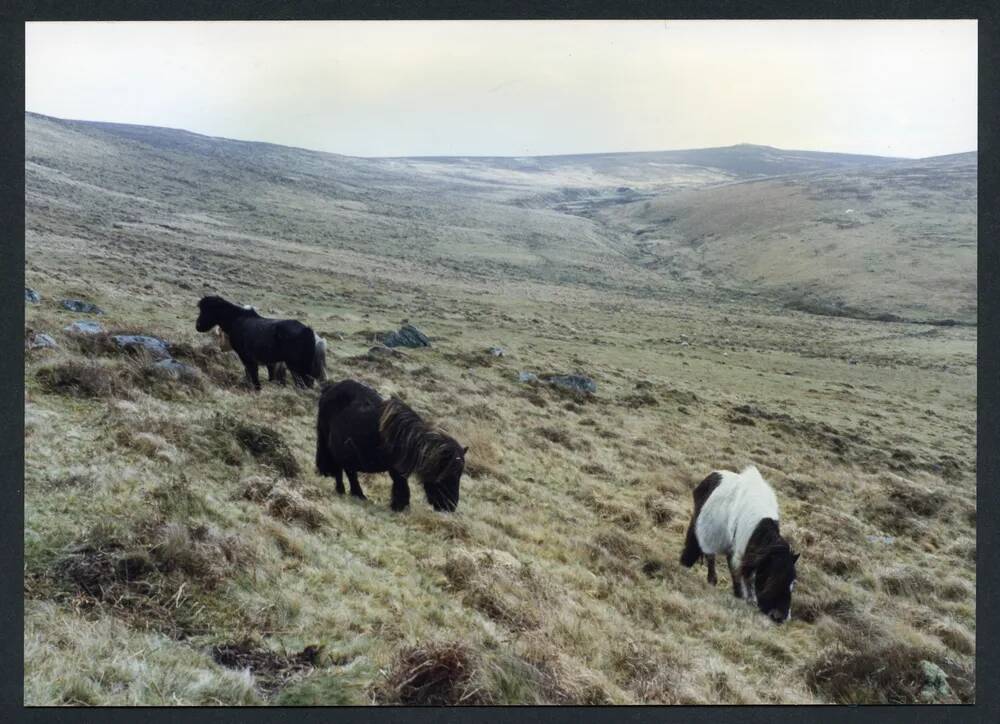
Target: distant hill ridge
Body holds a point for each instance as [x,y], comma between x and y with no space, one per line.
[743,158]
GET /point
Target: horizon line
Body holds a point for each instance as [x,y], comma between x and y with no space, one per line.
[488,156]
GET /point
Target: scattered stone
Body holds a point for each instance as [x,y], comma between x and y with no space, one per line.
[576,383]
[497,351]
[380,350]
[154,345]
[407,336]
[83,327]
[935,683]
[886,539]
[684,344]
[76,305]
[30,295]
[176,369]
[40,340]
[527,377]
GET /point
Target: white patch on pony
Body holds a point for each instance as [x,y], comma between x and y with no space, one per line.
[729,516]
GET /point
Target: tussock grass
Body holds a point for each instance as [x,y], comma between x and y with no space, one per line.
[264,443]
[164,520]
[435,674]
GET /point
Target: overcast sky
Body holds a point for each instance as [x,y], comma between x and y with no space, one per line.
[898,88]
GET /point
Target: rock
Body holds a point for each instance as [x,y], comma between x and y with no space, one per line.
[886,539]
[935,682]
[407,336]
[575,383]
[76,305]
[527,377]
[30,295]
[154,345]
[40,340]
[83,327]
[497,351]
[380,350]
[175,368]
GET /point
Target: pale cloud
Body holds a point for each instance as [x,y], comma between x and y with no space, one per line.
[905,88]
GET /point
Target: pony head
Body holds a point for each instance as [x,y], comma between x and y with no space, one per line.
[774,583]
[442,489]
[214,311]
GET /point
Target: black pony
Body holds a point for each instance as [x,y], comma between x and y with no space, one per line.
[358,431]
[261,341]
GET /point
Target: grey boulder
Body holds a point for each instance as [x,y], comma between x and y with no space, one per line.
[154,345]
[78,305]
[40,340]
[406,336]
[30,295]
[574,383]
[83,327]
[176,369]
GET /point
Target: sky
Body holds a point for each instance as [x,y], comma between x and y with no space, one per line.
[521,88]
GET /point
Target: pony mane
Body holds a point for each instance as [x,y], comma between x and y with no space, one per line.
[415,446]
[765,542]
[222,307]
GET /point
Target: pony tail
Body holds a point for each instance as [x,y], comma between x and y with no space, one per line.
[319,358]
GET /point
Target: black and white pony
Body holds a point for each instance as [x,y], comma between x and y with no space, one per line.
[737,515]
[257,340]
[358,431]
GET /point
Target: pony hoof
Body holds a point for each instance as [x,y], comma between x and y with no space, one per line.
[340,491]
[398,507]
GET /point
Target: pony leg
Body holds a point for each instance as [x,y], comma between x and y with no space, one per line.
[710,560]
[327,466]
[252,378]
[734,576]
[400,491]
[692,551]
[356,491]
[276,373]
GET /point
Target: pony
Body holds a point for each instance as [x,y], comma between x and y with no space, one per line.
[358,431]
[258,340]
[276,371]
[737,515]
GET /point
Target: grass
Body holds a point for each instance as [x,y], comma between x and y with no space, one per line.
[166,519]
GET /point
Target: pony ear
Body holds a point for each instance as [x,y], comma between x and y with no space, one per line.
[465,450]
[795,557]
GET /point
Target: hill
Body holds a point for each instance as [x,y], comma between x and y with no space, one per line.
[181,549]
[883,240]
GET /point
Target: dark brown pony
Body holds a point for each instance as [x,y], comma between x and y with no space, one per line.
[257,340]
[358,431]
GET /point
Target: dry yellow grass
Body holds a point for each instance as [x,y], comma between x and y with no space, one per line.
[164,520]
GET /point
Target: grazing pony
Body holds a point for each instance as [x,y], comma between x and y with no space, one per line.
[257,341]
[737,515]
[358,431]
